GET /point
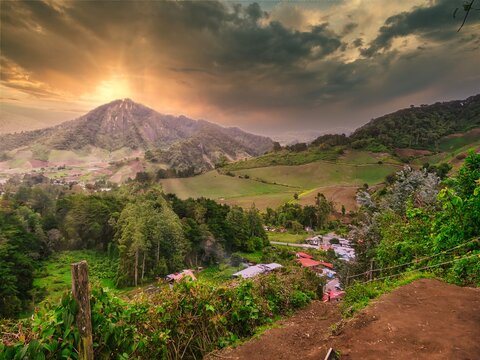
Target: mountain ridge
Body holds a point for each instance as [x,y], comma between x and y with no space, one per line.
[125,123]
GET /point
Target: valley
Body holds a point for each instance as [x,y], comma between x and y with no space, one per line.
[226,179]
[325,220]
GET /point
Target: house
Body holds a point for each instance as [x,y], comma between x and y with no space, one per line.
[176,277]
[303,255]
[306,262]
[255,270]
[326,264]
[315,240]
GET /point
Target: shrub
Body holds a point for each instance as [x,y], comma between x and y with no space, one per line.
[187,321]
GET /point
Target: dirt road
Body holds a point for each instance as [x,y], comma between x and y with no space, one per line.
[426,319]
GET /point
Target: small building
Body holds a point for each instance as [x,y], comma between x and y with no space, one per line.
[176,277]
[315,240]
[303,255]
[255,270]
[326,264]
[305,262]
[308,261]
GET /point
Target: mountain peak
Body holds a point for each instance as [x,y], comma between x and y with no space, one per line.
[124,123]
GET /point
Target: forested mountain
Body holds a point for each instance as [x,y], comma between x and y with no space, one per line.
[420,127]
[124,123]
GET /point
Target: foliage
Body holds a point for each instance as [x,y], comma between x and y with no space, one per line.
[294,216]
[150,239]
[187,322]
[18,251]
[53,275]
[415,221]
[419,127]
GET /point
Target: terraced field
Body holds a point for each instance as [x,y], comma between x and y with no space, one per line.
[272,186]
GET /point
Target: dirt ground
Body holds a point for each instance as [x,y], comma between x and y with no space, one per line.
[340,195]
[426,319]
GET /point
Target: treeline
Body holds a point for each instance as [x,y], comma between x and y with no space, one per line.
[151,233]
[418,127]
[419,217]
[297,217]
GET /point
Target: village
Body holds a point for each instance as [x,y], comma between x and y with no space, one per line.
[332,291]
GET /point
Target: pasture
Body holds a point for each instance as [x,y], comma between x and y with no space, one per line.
[272,186]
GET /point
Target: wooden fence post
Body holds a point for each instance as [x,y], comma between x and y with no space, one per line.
[81,294]
[371,271]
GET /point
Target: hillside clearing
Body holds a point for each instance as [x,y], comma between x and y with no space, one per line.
[321,173]
[274,185]
[216,186]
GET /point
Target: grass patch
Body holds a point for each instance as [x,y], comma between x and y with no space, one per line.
[358,295]
[53,276]
[215,186]
[217,274]
[284,157]
[287,237]
[321,173]
[255,257]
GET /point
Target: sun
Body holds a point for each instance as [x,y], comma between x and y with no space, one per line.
[112,89]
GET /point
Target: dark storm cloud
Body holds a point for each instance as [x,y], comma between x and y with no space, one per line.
[434,23]
[348,28]
[232,57]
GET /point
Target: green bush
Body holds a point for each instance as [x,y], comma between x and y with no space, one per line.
[187,321]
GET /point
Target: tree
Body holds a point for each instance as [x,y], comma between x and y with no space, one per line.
[150,236]
[324,208]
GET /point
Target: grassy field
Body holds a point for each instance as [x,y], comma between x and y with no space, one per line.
[216,186]
[321,173]
[456,141]
[217,274]
[53,277]
[287,237]
[284,157]
[272,186]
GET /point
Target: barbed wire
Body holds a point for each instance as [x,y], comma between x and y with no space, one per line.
[414,261]
[423,268]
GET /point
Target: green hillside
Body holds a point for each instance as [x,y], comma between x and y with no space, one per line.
[270,186]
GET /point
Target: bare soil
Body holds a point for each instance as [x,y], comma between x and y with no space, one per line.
[340,195]
[427,319]
[412,152]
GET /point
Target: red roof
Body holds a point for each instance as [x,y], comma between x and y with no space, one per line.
[328,265]
[311,262]
[308,262]
[303,255]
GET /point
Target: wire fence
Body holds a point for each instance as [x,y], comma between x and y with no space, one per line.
[370,273]
[424,268]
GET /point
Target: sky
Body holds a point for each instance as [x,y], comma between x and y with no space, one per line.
[268,67]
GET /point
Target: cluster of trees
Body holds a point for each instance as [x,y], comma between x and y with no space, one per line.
[416,127]
[420,127]
[421,217]
[296,217]
[151,233]
[213,229]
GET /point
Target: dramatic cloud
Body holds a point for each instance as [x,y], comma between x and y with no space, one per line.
[265,67]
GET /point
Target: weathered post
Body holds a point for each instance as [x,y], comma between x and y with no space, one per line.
[81,294]
[370,275]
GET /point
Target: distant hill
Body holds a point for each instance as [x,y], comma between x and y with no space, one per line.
[435,133]
[184,143]
[419,127]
